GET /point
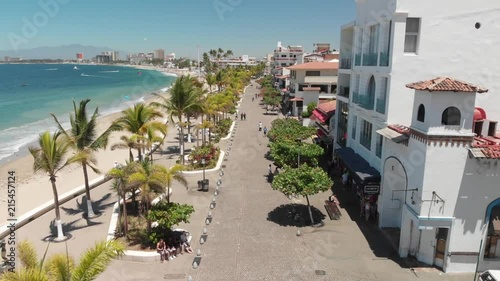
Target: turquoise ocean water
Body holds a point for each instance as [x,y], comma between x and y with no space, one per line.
[29,93]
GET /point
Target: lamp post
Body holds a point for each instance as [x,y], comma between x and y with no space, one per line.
[203,163]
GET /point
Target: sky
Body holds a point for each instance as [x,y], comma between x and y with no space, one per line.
[251,27]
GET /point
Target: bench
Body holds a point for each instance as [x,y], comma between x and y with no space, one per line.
[333,210]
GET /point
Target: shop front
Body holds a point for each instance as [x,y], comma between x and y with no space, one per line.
[360,178]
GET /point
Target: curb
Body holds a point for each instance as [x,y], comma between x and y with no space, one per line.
[215,169]
[228,136]
[26,218]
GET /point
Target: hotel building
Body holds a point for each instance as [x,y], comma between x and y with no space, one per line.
[283,57]
[415,125]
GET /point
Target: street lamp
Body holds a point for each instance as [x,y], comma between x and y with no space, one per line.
[203,163]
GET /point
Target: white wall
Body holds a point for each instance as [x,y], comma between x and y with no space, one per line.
[301,74]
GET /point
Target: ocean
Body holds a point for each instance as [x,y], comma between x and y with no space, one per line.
[30,92]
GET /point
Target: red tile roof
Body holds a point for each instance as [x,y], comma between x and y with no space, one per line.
[327,107]
[312,89]
[315,65]
[331,56]
[400,129]
[446,84]
[490,146]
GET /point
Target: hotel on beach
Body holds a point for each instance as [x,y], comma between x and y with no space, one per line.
[416,125]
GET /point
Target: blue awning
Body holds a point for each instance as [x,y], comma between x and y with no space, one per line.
[361,170]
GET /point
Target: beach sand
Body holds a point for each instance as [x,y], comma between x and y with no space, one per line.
[34,190]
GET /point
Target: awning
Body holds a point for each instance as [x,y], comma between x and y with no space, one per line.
[321,80]
[320,116]
[392,135]
[361,170]
[296,99]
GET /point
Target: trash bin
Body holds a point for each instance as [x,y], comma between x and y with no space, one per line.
[200,185]
[205,184]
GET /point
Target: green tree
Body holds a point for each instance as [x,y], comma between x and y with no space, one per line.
[210,79]
[287,153]
[61,267]
[85,141]
[128,142]
[50,157]
[121,174]
[305,181]
[289,129]
[220,80]
[167,215]
[173,174]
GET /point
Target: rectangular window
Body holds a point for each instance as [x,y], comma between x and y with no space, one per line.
[411,37]
[283,56]
[373,43]
[283,64]
[313,73]
[354,124]
[366,134]
[378,148]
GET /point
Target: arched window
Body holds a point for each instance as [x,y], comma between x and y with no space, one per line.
[421,113]
[451,116]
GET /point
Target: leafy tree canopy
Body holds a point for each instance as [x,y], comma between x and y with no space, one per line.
[304,181]
[286,152]
[289,129]
[169,214]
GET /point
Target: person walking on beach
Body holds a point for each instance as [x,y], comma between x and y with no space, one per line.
[260,126]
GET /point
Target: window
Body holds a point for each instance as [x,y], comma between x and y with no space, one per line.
[313,73]
[421,113]
[283,56]
[411,38]
[366,134]
[451,116]
[378,148]
[343,112]
[372,44]
[354,124]
[283,64]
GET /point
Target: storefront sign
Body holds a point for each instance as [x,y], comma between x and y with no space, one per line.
[371,189]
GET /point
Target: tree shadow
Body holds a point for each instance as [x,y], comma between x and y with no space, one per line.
[70,227]
[81,207]
[296,215]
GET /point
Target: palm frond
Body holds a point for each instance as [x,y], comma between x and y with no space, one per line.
[59,267]
[25,274]
[95,260]
[27,254]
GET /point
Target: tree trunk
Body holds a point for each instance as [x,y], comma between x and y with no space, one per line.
[168,193]
[125,217]
[90,210]
[130,155]
[139,153]
[60,234]
[310,211]
[181,139]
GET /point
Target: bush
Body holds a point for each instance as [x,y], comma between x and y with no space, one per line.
[310,107]
[305,114]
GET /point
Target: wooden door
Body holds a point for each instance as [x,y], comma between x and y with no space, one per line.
[441,237]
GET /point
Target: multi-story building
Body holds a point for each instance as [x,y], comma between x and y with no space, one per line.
[244,60]
[285,56]
[137,58]
[170,57]
[113,55]
[79,57]
[159,54]
[310,82]
[439,185]
[103,59]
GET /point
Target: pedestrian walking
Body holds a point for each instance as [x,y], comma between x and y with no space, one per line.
[245,116]
[241,116]
[253,98]
[260,126]
[270,169]
[265,131]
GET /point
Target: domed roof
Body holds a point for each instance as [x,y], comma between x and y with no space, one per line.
[479,114]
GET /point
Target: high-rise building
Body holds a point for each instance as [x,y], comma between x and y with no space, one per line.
[159,54]
[79,57]
[113,55]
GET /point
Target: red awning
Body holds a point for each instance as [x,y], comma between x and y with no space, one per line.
[320,133]
[296,99]
[320,116]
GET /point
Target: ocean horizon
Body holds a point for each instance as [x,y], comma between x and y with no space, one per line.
[31,92]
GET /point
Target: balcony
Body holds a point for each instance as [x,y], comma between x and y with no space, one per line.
[365,101]
[384,59]
[343,92]
[370,59]
[358,59]
[381,106]
[345,63]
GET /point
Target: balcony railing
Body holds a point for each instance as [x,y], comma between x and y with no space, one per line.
[343,91]
[358,59]
[345,63]
[384,59]
[365,101]
[370,59]
[381,106]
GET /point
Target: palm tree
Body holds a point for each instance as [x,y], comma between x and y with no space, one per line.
[183,99]
[151,138]
[220,79]
[151,180]
[137,120]
[61,267]
[174,174]
[49,158]
[128,142]
[203,127]
[210,79]
[85,141]
[228,53]
[120,174]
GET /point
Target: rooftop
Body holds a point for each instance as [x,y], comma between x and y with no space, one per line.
[486,147]
[446,84]
[316,65]
[327,107]
[404,130]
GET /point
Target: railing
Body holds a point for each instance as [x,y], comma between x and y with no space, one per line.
[343,91]
[381,106]
[370,59]
[357,59]
[365,101]
[345,63]
[384,59]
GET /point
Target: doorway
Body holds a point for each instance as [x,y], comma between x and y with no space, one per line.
[440,253]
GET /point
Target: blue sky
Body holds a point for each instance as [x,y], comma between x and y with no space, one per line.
[250,27]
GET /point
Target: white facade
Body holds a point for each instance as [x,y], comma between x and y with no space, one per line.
[378,57]
[285,56]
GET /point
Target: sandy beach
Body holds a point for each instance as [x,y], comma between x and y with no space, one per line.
[35,189]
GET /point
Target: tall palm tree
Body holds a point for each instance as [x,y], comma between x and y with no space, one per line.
[137,120]
[174,174]
[85,141]
[120,174]
[151,138]
[61,267]
[49,158]
[228,53]
[183,99]
[128,142]
[210,79]
[151,180]
[220,79]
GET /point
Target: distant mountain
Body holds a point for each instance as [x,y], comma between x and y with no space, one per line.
[60,52]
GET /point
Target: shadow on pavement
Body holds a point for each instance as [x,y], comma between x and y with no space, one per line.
[70,227]
[81,208]
[295,215]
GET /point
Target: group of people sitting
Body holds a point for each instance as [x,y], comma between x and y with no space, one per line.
[175,246]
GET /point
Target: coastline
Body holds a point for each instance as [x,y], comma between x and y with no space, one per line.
[34,189]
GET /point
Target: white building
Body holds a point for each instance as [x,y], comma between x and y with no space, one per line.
[310,82]
[284,56]
[113,55]
[244,60]
[390,44]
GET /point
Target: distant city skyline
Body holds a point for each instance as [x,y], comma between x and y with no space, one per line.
[246,27]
